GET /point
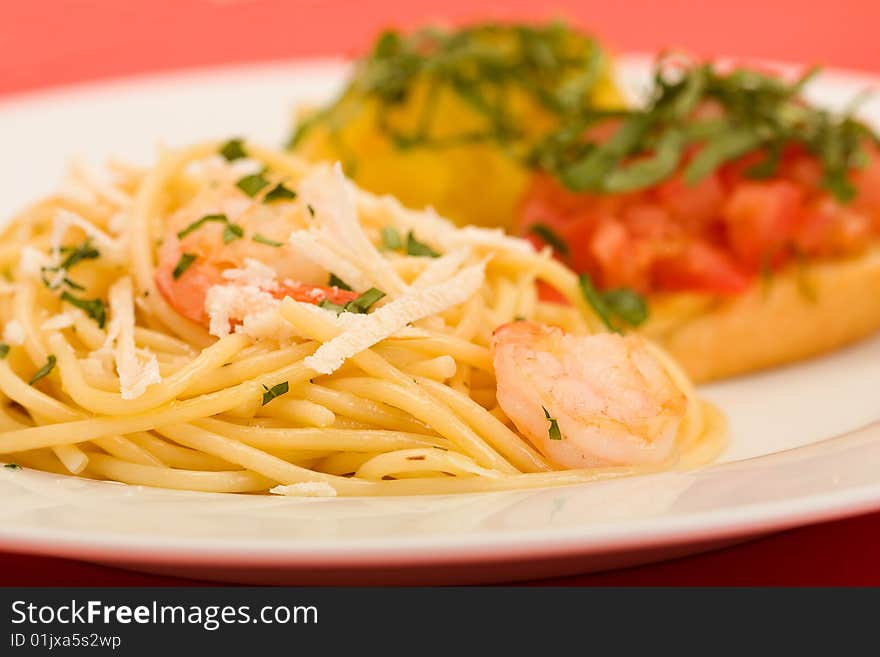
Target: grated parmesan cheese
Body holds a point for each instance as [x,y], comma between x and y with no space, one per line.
[432,229]
[31,262]
[134,375]
[342,234]
[305,489]
[310,244]
[111,249]
[394,316]
[225,303]
[13,333]
[255,273]
[84,179]
[442,268]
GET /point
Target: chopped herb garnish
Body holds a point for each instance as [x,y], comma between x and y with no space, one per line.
[391,238]
[219,218]
[232,232]
[73,285]
[594,298]
[335,281]
[622,303]
[76,254]
[12,466]
[279,193]
[627,305]
[233,150]
[275,391]
[754,112]
[326,304]
[94,308]
[252,184]
[262,239]
[553,431]
[549,237]
[183,264]
[310,209]
[4,350]
[52,285]
[365,301]
[483,66]
[416,248]
[360,305]
[44,370]
[555,69]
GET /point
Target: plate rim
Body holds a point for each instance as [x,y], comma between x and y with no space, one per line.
[544,543]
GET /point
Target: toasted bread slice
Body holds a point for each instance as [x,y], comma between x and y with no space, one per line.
[800,312]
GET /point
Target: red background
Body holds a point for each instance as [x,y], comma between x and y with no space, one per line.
[47,43]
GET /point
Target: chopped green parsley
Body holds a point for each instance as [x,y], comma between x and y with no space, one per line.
[233,150]
[262,239]
[94,308]
[275,391]
[553,431]
[183,264]
[44,370]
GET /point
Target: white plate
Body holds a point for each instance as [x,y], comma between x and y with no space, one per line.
[789,462]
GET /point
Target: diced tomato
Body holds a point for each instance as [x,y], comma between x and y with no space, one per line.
[711,237]
[692,205]
[761,218]
[801,168]
[701,267]
[867,184]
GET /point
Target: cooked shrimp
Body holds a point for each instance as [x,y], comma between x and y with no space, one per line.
[611,398]
[261,233]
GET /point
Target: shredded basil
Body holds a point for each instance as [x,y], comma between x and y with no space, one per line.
[626,304]
[758,112]
[594,298]
[12,466]
[621,302]
[4,350]
[553,66]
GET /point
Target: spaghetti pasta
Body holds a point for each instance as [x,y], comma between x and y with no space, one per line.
[226,352]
